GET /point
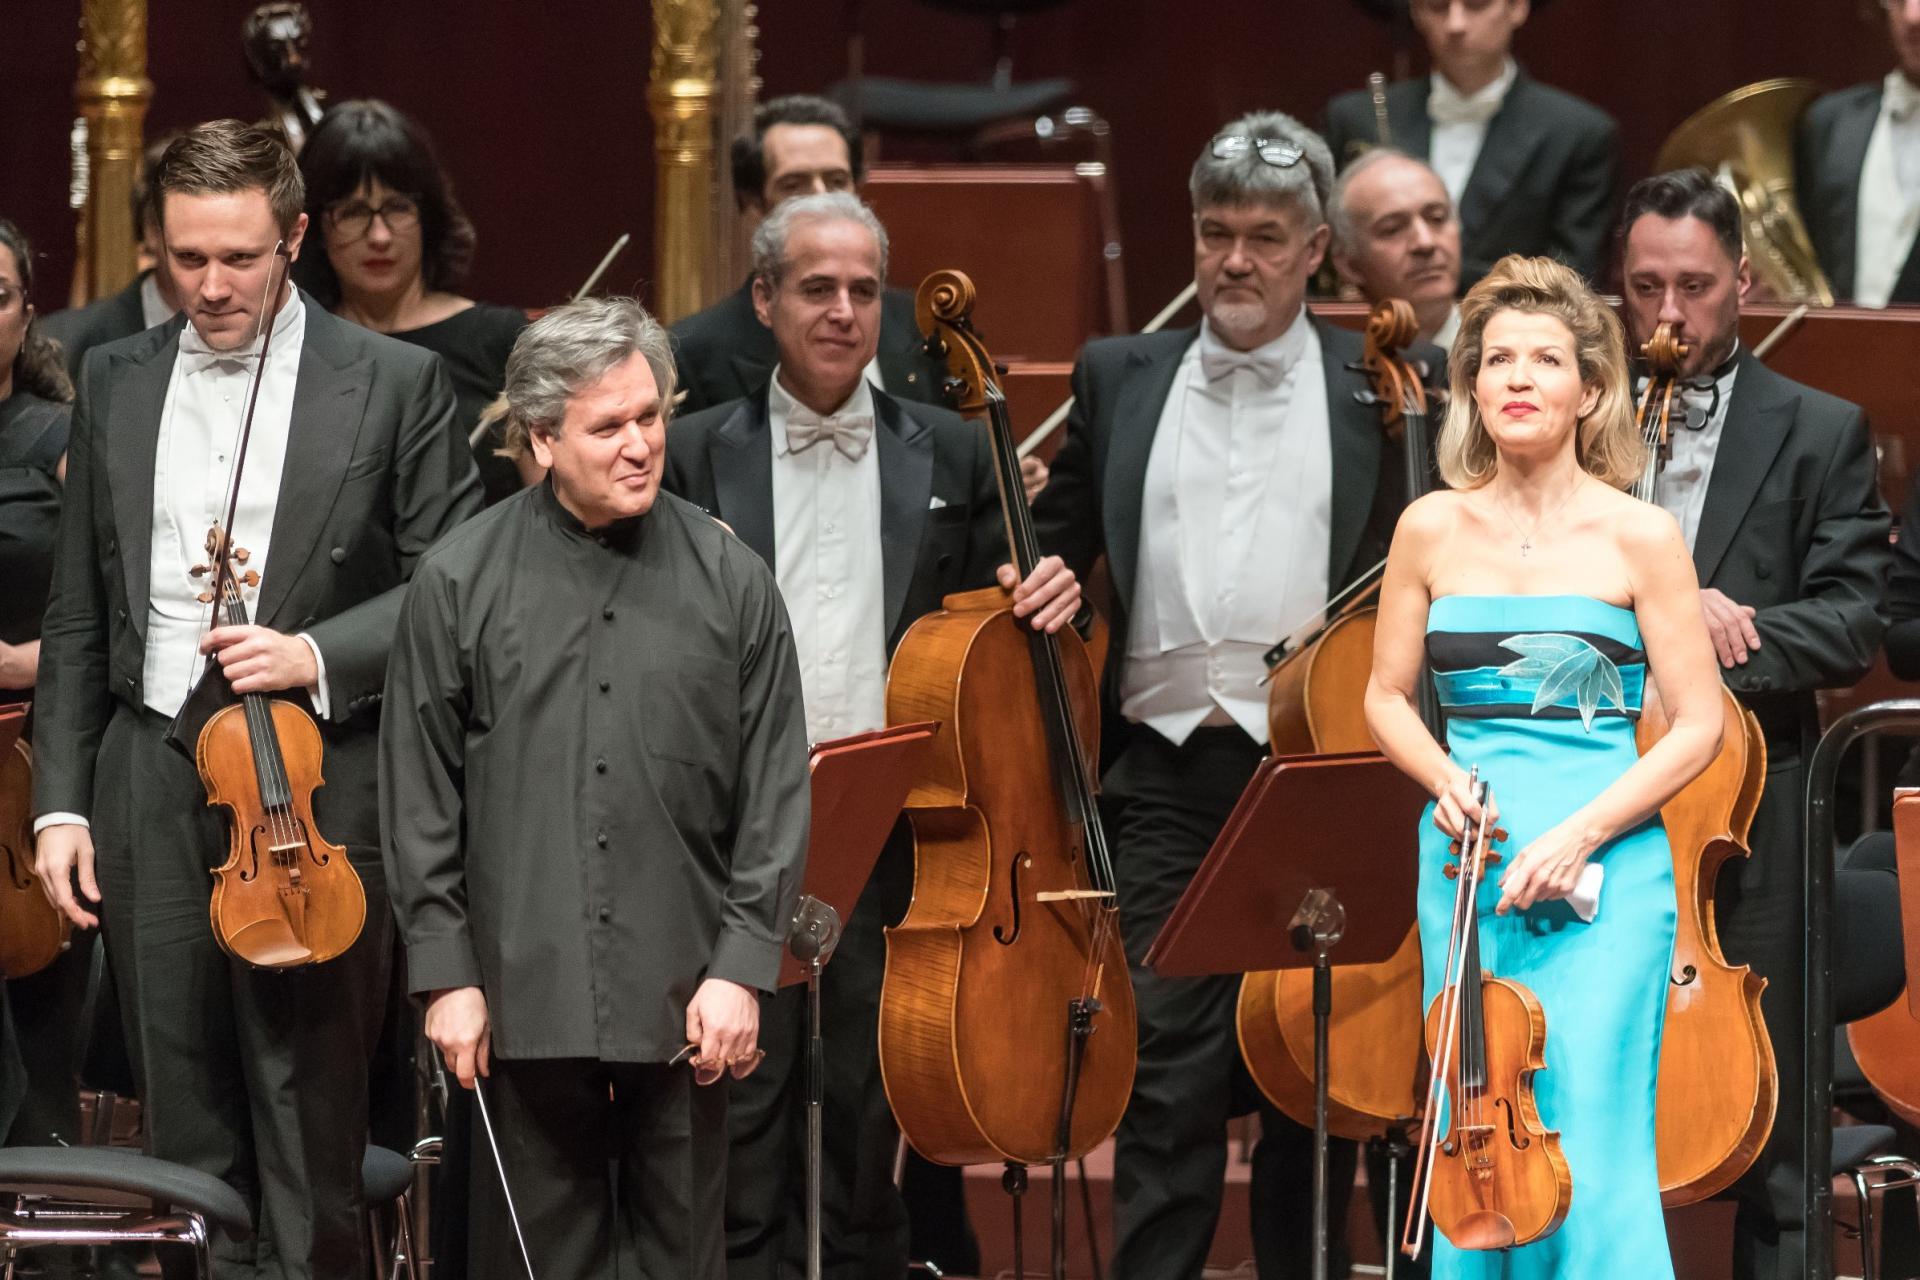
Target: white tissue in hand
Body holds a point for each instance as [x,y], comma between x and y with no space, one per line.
[1585,898]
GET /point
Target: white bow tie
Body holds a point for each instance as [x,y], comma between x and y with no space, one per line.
[1217,362]
[199,356]
[849,432]
[1446,105]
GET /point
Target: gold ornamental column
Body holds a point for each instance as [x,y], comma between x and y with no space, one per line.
[112,94]
[680,92]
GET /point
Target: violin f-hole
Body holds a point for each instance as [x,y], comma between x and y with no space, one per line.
[1001,934]
[1688,976]
[1516,1133]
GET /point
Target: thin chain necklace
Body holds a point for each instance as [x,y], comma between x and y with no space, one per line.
[1526,535]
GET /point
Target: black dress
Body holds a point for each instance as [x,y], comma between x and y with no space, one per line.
[33,436]
[475,344]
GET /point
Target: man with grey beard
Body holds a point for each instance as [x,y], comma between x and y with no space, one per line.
[1234,481]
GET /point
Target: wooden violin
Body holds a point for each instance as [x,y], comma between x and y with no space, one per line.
[1490,1174]
[285,896]
[33,932]
[1007,1026]
[1718,1089]
[1315,706]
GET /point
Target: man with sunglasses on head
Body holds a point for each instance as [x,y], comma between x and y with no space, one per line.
[1531,169]
[1234,480]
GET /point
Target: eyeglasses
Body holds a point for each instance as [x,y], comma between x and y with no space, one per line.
[352,219]
[1277,152]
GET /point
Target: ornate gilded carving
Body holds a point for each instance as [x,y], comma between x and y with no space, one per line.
[112,93]
[681,94]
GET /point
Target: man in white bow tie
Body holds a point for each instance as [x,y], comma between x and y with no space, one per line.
[1233,478]
[353,467]
[870,509]
[1531,169]
[1858,162]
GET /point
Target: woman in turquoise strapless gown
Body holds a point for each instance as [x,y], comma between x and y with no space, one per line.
[1546,601]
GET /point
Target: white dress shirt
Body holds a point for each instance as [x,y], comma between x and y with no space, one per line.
[1889,196]
[1234,532]
[1443,339]
[826,550]
[199,428]
[1459,126]
[1682,487]
[193,462]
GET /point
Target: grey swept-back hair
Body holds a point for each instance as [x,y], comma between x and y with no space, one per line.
[771,236]
[569,349]
[1247,179]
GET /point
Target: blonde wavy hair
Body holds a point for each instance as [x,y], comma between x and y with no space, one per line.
[1606,442]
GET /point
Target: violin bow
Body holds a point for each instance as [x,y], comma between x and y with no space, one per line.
[513,1214]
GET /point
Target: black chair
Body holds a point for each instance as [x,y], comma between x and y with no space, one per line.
[886,103]
[1869,973]
[107,1195]
[386,1177]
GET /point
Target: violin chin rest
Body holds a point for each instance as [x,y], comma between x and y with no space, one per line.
[1482,1229]
[269,943]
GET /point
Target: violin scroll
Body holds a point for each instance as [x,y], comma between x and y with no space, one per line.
[1664,351]
[943,308]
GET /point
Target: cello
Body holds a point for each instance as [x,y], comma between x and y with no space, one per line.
[1315,707]
[33,932]
[1493,1175]
[1007,1029]
[285,896]
[1717,1087]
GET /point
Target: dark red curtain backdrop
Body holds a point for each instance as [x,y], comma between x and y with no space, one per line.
[539,105]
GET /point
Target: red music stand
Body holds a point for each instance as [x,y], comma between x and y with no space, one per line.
[860,784]
[1319,850]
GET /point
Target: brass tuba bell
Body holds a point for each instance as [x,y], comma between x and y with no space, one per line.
[1745,139]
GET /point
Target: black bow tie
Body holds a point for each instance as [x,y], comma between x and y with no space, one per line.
[1697,399]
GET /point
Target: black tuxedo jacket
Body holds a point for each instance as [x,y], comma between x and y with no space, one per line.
[1794,526]
[1543,184]
[724,353]
[1091,505]
[79,330]
[1828,157]
[722,459]
[377,468]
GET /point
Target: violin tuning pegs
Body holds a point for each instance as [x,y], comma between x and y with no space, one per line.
[251,577]
[198,571]
[205,597]
[1450,871]
[242,554]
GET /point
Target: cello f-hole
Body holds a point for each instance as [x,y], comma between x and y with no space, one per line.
[1001,934]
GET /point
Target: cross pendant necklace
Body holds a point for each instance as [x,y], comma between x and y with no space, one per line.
[1526,535]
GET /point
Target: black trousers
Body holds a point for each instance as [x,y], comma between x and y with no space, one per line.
[1166,804]
[615,1169]
[1759,905]
[46,1009]
[865,1220]
[258,1077]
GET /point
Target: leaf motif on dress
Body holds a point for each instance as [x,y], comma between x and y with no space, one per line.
[1565,664]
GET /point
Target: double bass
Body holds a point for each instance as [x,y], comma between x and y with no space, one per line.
[285,896]
[1492,1175]
[1717,1087]
[1314,707]
[1007,1029]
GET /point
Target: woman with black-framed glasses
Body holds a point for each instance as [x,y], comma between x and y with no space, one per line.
[392,242]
